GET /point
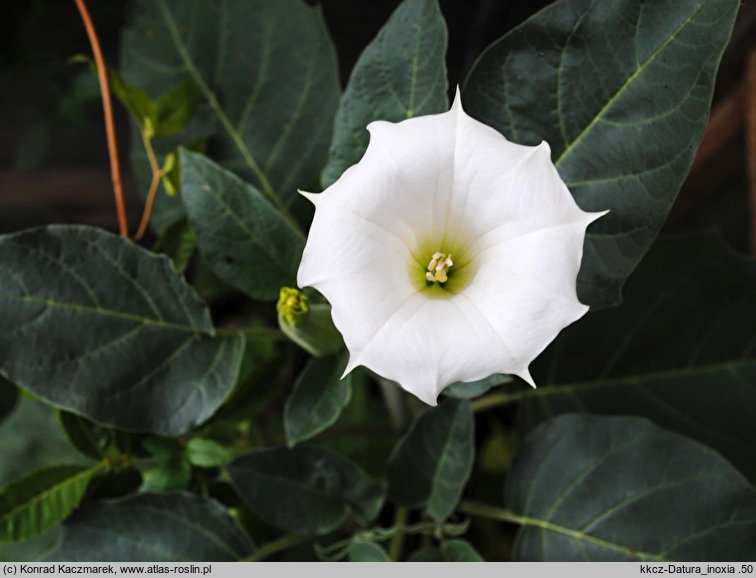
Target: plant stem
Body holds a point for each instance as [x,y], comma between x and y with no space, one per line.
[154,184]
[495,400]
[102,76]
[397,540]
[272,548]
[253,333]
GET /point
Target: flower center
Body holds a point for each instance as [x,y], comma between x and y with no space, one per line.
[438,268]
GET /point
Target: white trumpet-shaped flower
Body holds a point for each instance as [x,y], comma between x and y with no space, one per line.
[447,253]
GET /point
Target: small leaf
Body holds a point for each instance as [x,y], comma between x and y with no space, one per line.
[317,400]
[90,439]
[128,343]
[175,108]
[178,242]
[473,389]
[432,462]
[42,499]
[459,551]
[401,74]
[363,551]
[621,92]
[142,108]
[153,528]
[206,453]
[246,240]
[591,488]
[306,490]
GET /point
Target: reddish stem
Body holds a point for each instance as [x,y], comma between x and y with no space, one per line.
[102,75]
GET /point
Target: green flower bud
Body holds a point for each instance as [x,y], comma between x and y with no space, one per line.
[309,326]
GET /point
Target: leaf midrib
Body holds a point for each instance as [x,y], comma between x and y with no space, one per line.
[111,313]
[618,94]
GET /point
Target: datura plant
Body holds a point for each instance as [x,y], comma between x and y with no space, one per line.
[227,382]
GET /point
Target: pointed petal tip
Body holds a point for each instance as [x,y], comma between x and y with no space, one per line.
[352,364]
[595,216]
[526,377]
[457,103]
[312,197]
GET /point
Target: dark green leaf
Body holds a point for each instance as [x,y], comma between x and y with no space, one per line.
[243,237]
[266,71]
[362,551]
[472,389]
[306,490]
[401,74]
[137,101]
[428,554]
[153,528]
[205,453]
[680,350]
[593,488]
[621,92]
[175,108]
[100,327]
[178,242]
[432,462]
[90,439]
[8,397]
[317,400]
[39,501]
[459,551]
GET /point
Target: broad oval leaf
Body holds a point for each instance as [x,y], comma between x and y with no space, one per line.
[266,72]
[459,550]
[306,490]
[432,462]
[401,74]
[37,502]
[317,400]
[8,397]
[589,488]
[621,92]
[246,240]
[153,528]
[679,350]
[126,341]
[363,551]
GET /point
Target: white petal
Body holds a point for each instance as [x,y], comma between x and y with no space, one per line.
[429,343]
[526,286]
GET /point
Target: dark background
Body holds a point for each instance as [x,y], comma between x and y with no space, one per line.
[53,158]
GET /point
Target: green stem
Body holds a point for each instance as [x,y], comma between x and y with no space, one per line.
[272,548]
[253,333]
[495,400]
[503,515]
[397,540]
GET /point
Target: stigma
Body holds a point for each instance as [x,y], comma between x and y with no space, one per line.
[438,268]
